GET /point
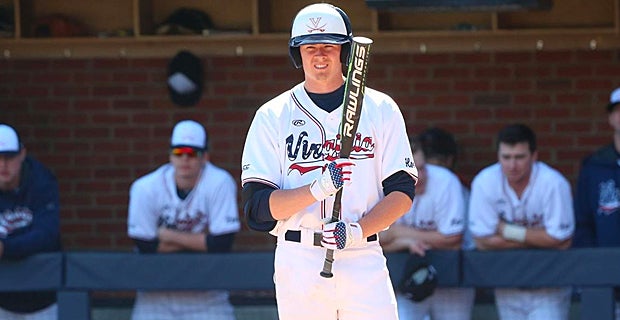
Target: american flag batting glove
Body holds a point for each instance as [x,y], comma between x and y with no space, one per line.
[340,235]
[336,175]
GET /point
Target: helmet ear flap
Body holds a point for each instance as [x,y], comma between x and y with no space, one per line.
[345,53]
[295,55]
[345,50]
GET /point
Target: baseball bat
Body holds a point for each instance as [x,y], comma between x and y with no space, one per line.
[355,85]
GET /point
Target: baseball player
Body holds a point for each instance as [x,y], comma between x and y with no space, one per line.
[520,202]
[29,222]
[434,221]
[291,170]
[186,205]
[440,148]
[597,196]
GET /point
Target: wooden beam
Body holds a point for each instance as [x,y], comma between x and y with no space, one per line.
[276,44]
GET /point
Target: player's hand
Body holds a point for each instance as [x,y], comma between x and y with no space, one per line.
[340,235]
[417,247]
[336,175]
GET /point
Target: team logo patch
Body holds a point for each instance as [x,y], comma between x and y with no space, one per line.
[299,122]
[12,220]
[409,163]
[608,198]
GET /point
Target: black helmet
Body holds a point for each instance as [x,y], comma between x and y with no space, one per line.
[320,23]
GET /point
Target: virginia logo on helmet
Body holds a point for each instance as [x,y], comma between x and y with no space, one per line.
[320,23]
[315,25]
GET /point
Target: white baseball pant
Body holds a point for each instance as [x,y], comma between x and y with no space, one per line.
[185,305]
[359,290]
[444,304]
[533,304]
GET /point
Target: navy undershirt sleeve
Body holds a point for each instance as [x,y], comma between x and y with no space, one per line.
[399,181]
[255,200]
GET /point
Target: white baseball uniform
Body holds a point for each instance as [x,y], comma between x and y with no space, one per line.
[289,142]
[545,203]
[210,207]
[440,208]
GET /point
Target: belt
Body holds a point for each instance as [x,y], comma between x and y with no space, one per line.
[295,236]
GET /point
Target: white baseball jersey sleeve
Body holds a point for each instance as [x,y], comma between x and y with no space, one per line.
[545,203]
[441,207]
[291,139]
[210,207]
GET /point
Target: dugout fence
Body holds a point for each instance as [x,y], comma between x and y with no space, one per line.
[75,275]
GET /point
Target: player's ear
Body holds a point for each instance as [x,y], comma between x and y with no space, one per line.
[22,153]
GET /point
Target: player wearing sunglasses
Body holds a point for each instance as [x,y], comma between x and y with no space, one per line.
[186,205]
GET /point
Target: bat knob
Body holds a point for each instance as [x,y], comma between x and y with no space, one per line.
[326,274]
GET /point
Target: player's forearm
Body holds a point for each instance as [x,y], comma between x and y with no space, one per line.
[385,213]
[393,244]
[531,237]
[285,203]
[539,238]
[435,239]
[172,240]
[496,242]
[440,241]
[168,247]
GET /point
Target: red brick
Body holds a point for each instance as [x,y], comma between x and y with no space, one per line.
[109,122]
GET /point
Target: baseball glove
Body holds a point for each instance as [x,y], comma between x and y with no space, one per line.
[419,279]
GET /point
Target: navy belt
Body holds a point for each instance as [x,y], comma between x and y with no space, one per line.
[295,236]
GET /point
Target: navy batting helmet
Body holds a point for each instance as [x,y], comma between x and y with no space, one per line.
[419,279]
[320,23]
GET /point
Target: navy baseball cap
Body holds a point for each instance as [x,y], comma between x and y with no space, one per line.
[9,140]
[614,100]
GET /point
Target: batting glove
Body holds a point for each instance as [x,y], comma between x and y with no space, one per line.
[340,235]
[336,175]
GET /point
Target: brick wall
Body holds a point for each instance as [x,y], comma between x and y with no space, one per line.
[101,123]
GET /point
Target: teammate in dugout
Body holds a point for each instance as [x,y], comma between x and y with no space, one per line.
[29,222]
[520,202]
[440,148]
[436,220]
[597,195]
[291,169]
[186,205]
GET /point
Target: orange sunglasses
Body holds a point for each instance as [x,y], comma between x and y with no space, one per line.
[190,152]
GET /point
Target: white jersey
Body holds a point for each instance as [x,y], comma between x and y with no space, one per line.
[211,206]
[441,207]
[291,139]
[546,202]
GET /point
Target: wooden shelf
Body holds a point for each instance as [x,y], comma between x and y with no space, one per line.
[261,27]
